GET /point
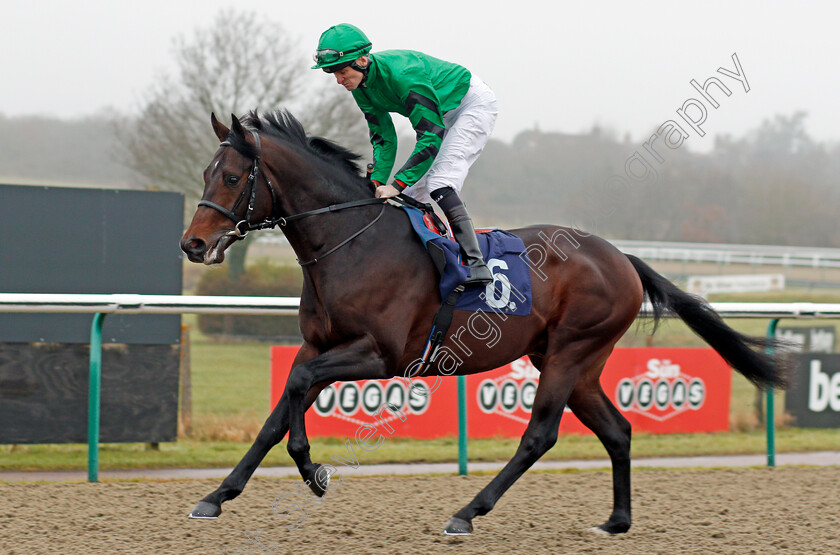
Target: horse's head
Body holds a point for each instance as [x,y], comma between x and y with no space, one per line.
[252,184]
[236,195]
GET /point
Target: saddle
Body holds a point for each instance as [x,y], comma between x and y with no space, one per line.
[509,293]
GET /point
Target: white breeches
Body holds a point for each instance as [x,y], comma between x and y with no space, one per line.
[468,128]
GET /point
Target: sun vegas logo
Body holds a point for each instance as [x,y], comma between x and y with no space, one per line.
[510,394]
[347,399]
[661,392]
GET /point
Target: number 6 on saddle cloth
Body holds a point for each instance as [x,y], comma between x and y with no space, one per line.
[509,293]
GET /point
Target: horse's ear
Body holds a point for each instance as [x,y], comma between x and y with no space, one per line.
[236,126]
[219,128]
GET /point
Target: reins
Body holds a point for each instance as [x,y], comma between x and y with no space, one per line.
[338,246]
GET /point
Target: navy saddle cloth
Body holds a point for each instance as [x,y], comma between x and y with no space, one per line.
[504,252]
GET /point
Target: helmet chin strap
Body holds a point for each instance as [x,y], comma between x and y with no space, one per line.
[363,70]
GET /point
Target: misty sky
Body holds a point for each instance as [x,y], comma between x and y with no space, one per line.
[563,66]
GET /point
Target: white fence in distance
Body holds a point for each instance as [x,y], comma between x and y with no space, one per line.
[720,253]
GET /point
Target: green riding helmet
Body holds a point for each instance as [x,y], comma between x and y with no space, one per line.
[340,45]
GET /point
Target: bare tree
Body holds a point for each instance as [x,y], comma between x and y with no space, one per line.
[333,114]
[239,63]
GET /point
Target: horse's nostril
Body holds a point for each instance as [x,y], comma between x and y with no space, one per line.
[194,246]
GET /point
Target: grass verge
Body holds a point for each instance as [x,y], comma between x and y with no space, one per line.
[230,401]
[190,453]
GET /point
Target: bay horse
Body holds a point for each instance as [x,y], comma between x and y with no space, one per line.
[370,292]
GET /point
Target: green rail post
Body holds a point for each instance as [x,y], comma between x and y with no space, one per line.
[94,388]
[771,420]
[462,425]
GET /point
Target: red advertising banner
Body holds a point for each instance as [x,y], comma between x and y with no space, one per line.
[343,407]
[659,390]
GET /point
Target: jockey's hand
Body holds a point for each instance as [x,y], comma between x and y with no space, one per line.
[386,191]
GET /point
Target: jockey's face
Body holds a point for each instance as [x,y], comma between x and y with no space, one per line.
[350,78]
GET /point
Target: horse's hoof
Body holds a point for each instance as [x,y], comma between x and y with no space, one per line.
[458,527]
[610,528]
[318,484]
[206,510]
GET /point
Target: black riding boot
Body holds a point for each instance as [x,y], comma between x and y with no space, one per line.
[462,228]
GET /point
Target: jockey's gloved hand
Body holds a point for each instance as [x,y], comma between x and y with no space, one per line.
[386,191]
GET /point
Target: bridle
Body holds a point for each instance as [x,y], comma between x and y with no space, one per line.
[242,227]
[250,191]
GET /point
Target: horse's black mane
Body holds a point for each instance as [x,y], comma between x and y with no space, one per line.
[280,124]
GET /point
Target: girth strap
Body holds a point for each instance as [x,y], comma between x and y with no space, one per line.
[440,326]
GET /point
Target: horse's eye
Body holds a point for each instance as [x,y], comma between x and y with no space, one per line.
[232,180]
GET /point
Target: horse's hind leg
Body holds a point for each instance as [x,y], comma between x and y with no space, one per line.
[560,373]
[592,407]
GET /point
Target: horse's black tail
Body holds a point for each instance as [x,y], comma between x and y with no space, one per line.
[738,350]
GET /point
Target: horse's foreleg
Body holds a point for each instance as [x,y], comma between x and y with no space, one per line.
[541,434]
[353,361]
[273,431]
[592,407]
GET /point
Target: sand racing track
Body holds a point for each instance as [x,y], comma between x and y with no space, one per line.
[744,510]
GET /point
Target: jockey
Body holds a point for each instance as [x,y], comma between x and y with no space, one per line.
[452,111]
